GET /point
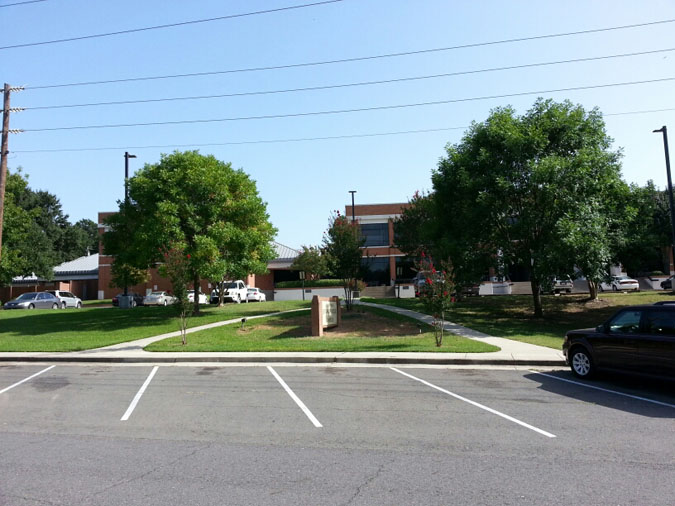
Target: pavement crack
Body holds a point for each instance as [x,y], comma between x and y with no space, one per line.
[367,482]
[146,473]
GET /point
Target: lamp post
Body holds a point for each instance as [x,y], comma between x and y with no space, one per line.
[352,192]
[126,203]
[664,130]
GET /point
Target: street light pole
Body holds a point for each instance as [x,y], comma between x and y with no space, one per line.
[664,130]
[126,198]
[352,192]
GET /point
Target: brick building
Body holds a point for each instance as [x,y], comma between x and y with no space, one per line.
[386,264]
[79,276]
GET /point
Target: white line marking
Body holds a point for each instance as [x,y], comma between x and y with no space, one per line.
[132,406]
[295,398]
[493,411]
[28,378]
[607,390]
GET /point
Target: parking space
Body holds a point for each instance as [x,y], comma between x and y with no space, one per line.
[327,403]
[276,434]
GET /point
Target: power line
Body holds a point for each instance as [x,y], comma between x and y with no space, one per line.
[22,3]
[235,143]
[168,25]
[344,111]
[347,85]
[296,139]
[348,60]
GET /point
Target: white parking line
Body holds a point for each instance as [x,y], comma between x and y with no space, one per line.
[295,398]
[606,390]
[478,405]
[132,406]
[24,380]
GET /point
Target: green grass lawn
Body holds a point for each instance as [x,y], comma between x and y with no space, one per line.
[93,327]
[369,329]
[510,316]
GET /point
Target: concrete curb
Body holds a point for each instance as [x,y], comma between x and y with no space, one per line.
[294,359]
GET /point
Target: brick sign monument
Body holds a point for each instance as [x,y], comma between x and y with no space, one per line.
[326,313]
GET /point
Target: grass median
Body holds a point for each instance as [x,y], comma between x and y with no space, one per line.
[94,327]
[510,316]
[362,330]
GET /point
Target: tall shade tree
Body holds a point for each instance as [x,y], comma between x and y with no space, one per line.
[211,209]
[513,186]
[26,247]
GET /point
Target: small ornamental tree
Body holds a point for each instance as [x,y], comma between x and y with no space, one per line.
[342,244]
[436,294]
[311,262]
[177,268]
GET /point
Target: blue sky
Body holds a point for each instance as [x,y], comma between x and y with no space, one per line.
[303,181]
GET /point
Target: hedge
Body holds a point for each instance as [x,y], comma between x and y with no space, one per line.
[314,283]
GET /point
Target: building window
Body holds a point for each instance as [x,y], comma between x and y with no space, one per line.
[405,269]
[376,271]
[375,234]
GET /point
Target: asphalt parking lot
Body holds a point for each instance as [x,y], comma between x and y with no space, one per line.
[113,434]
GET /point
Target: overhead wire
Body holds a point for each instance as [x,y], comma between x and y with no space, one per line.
[21,3]
[344,85]
[296,139]
[353,110]
[348,60]
[168,25]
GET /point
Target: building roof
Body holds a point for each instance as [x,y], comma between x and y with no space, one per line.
[284,253]
[85,267]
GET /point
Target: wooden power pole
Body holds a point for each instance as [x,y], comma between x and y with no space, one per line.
[4,151]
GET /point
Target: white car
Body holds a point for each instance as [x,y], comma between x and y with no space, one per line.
[255,295]
[158,299]
[620,284]
[235,291]
[202,297]
[67,299]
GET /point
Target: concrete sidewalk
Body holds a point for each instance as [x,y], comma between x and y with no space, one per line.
[512,353]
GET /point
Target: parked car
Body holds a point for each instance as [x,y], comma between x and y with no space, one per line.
[255,295]
[636,339]
[234,291]
[136,301]
[559,285]
[158,299]
[620,284]
[202,297]
[667,284]
[34,300]
[67,299]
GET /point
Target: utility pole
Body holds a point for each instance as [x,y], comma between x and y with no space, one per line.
[4,150]
[664,130]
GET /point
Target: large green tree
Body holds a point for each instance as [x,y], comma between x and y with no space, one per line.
[211,209]
[648,233]
[26,247]
[521,189]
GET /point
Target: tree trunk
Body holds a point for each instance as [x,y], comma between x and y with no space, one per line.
[592,290]
[221,293]
[536,296]
[196,288]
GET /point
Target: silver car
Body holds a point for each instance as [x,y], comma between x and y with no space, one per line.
[158,299]
[34,300]
[67,298]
